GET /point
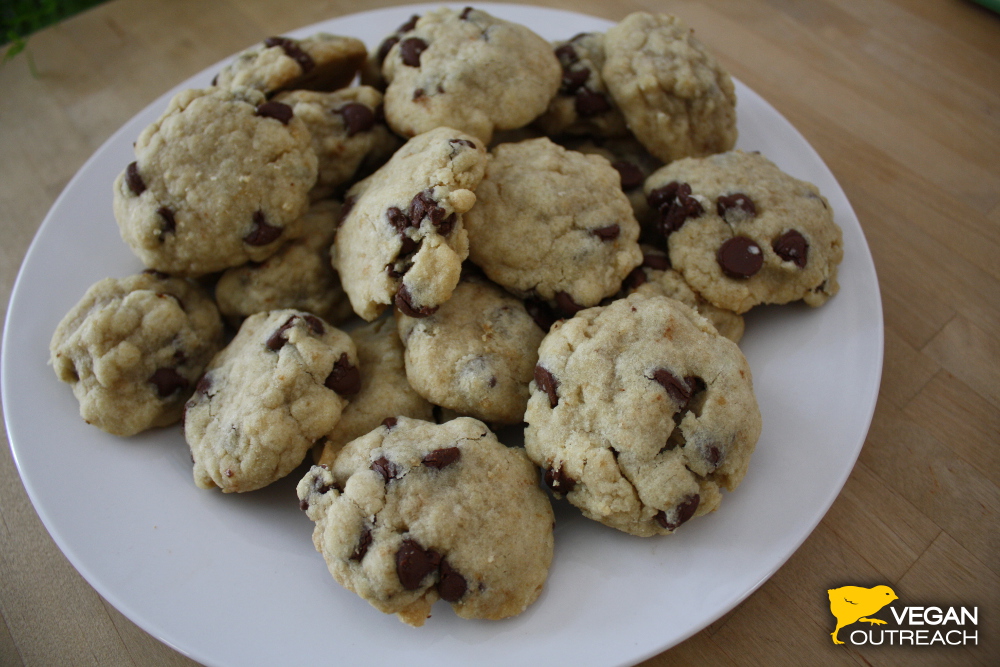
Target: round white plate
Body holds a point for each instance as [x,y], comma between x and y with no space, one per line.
[235,580]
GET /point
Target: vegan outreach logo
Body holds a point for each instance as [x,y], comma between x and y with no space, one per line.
[854,604]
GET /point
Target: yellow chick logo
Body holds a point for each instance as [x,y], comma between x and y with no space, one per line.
[850,604]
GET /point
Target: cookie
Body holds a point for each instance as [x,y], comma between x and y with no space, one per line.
[554,224]
[220,179]
[402,239]
[655,276]
[476,354]
[298,276]
[742,232]
[349,134]
[415,511]
[318,62]
[634,165]
[385,392]
[640,413]
[266,398]
[470,71]
[133,349]
[583,105]
[675,97]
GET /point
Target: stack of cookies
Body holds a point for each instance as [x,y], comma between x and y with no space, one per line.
[558,238]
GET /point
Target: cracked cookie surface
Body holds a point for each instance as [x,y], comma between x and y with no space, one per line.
[133,349]
[414,512]
[402,239]
[640,413]
[266,398]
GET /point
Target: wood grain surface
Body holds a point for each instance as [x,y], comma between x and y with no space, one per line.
[901,98]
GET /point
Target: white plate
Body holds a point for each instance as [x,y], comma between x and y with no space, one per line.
[234,580]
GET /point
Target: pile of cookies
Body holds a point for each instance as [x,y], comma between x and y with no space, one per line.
[507,232]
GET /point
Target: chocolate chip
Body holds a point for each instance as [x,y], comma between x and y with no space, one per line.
[399,220]
[441,458]
[417,94]
[567,305]
[134,180]
[303,505]
[656,262]
[452,585]
[685,511]
[631,175]
[713,455]
[444,229]
[792,247]
[262,233]
[465,13]
[345,378]
[463,142]
[409,25]
[293,51]
[676,388]
[609,233]
[385,47]
[567,54]
[276,110]
[573,80]
[204,384]
[541,313]
[169,222]
[413,563]
[736,207]
[589,103]
[635,279]
[547,382]
[386,468]
[404,301]
[364,542]
[740,257]
[390,422]
[357,118]
[559,481]
[423,205]
[167,381]
[314,323]
[674,204]
[410,50]
[277,340]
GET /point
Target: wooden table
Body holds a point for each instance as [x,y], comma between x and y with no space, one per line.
[902,100]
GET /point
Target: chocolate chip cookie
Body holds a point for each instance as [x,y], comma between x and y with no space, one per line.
[133,349]
[385,392]
[298,276]
[676,98]
[468,70]
[415,511]
[220,179]
[476,354]
[742,232]
[640,413]
[583,105]
[349,134]
[279,386]
[553,224]
[319,62]
[402,239]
